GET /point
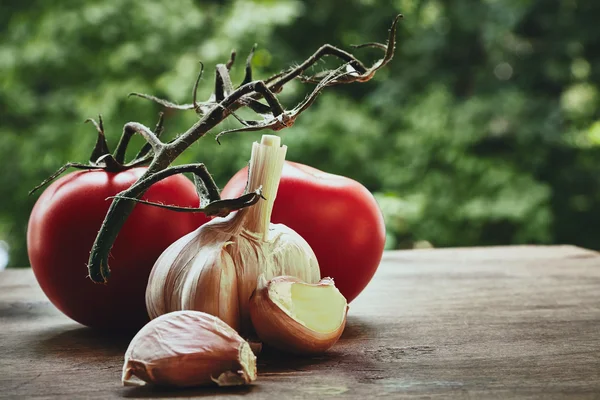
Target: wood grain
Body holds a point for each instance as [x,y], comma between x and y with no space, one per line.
[504,322]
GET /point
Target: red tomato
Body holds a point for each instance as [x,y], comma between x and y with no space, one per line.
[337,216]
[62,228]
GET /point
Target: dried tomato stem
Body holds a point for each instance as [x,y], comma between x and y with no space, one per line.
[117,214]
[245,95]
[135,127]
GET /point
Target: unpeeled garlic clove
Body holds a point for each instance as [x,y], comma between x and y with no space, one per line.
[298,317]
[189,348]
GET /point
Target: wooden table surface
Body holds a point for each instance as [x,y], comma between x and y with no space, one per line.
[503,322]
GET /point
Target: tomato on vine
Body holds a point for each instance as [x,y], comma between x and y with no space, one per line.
[66,219]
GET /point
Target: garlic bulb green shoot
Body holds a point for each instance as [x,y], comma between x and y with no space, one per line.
[215,268]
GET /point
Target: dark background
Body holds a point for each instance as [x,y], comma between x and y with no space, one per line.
[484,129]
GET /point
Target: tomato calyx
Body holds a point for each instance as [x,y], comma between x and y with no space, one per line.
[102,159]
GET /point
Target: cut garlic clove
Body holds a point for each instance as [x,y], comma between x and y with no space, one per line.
[189,348]
[298,317]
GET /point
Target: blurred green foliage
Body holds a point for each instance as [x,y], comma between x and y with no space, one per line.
[483,130]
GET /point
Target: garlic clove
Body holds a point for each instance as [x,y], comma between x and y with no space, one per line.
[211,286]
[177,256]
[298,317]
[189,348]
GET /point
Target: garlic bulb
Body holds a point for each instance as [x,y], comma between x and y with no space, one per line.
[215,268]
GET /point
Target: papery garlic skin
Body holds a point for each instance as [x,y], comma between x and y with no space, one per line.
[189,348]
[215,268]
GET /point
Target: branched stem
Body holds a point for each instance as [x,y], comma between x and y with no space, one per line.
[225,101]
[144,152]
[324,50]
